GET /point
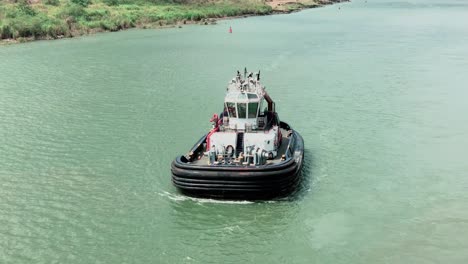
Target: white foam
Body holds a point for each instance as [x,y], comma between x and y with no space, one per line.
[179,198]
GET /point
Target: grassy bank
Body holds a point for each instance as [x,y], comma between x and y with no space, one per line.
[23,20]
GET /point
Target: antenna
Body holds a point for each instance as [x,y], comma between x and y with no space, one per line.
[245,72]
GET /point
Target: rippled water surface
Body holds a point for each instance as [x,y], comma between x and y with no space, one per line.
[378,90]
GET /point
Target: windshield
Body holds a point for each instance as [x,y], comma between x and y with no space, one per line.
[231,107]
[253,107]
[242,108]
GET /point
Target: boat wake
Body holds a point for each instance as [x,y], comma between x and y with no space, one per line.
[181,198]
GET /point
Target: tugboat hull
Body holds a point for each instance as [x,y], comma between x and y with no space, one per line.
[240,182]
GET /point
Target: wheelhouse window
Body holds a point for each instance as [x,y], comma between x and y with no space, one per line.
[242,109]
[253,107]
[231,107]
[263,107]
[242,96]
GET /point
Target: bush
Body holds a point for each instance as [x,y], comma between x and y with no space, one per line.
[194,15]
[54,28]
[25,9]
[27,27]
[108,25]
[111,2]
[37,27]
[6,32]
[83,3]
[73,10]
[95,14]
[52,2]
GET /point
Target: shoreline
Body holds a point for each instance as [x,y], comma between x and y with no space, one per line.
[276,7]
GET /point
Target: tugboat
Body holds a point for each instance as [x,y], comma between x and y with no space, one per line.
[248,154]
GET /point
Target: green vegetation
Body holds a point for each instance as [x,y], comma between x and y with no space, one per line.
[48,19]
[23,20]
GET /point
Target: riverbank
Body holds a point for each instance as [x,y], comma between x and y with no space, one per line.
[27,20]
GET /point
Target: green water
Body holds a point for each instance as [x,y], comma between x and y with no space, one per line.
[378,90]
